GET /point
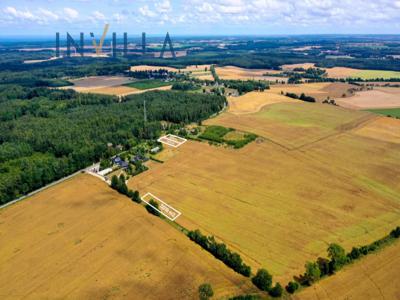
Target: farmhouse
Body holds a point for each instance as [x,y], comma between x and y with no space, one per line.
[120,162]
[138,157]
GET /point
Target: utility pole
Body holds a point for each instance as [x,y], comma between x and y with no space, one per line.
[144,112]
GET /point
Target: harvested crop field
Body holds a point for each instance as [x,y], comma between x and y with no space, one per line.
[320,91]
[291,67]
[253,197]
[89,242]
[373,277]
[384,129]
[294,125]
[344,72]
[255,101]
[381,97]
[236,73]
[152,68]
[87,84]
[115,91]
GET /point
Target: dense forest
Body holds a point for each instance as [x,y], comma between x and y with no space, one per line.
[46,134]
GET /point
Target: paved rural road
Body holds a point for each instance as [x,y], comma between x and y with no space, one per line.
[45,187]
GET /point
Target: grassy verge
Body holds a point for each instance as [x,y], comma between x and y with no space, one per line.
[389,112]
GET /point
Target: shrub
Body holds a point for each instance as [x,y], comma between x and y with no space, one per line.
[276,291]
[136,197]
[395,233]
[262,280]
[313,273]
[338,256]
[150,208]
[324,266]
[205,291]
[354,253]
[246,297]
[292,287]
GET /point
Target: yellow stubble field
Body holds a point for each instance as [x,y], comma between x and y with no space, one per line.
[280,206]
[82,240]
[373,277]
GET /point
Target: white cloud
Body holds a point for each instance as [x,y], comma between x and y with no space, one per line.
[146,12]
[295,13]
[49,14]
[259,15]
[98,16]
[163,6]
[39,16]
[71,13]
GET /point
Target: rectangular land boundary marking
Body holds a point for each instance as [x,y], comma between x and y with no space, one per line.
[174,213]
[172,140]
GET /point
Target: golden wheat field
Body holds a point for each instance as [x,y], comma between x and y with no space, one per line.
[236,73]
[373,277]
[320,91]
[282,199]
[82,240]
[254,101]
[295,124]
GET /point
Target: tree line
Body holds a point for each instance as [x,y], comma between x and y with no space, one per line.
[221,252]
[337,259]
[302,97]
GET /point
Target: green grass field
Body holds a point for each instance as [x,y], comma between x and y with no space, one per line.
[373,74]
[392,112]
[147,84]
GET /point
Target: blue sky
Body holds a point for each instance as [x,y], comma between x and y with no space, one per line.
[180,17]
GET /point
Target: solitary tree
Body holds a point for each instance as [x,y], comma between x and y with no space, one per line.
[205,291]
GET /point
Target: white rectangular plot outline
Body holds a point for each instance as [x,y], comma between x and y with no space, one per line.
[169,140]
[169,207]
